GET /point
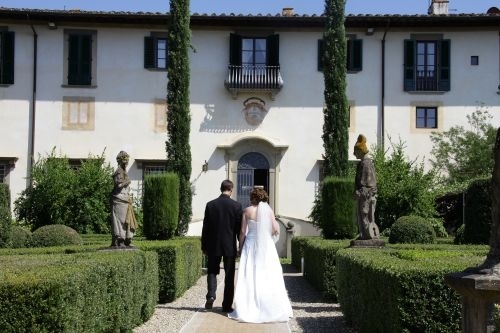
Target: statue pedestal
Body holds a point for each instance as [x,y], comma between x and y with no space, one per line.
[375,242]
[479,292]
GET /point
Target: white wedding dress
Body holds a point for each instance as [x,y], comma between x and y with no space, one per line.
[260,295]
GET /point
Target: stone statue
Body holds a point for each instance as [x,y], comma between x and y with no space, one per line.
[365,192]
[123,222]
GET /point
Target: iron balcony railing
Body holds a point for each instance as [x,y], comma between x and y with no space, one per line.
[426,81]
[258,77]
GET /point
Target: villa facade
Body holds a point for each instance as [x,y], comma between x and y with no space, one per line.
[92,83]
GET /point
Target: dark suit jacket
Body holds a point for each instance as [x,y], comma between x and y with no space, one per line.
[221,226]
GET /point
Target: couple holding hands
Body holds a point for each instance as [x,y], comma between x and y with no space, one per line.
[260,295]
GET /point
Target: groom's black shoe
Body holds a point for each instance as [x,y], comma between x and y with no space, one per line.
[210,303]
[227,310]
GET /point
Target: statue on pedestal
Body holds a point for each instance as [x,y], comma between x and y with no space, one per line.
[365,192]
[123,222]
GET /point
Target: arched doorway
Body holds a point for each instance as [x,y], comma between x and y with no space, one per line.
[253,170]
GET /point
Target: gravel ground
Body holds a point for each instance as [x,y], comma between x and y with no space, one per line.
[310,313]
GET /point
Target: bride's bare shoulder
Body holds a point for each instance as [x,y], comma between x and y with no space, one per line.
[250,212]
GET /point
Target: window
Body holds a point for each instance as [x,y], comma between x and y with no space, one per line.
[254,51]
[4,170]
[354,55]
[6,164]
[426,117]
[474,60]
[6,57]
[78,113]
[151,166]
[254,63]
[426,64]
[152,169]
[253,54]
[80,50]
[156,51]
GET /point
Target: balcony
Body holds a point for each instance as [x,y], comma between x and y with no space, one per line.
[426,81]
[258,78]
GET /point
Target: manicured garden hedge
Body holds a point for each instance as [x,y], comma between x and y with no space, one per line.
[95,291]
[401,288]
[319,262]
[104,291]
[298,244]
[179,265]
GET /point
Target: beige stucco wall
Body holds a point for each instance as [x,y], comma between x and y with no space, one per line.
[290,132]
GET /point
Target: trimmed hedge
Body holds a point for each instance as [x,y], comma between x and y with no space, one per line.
[107,291]
[54,235]
[319,264]
[20,237]
[297,248]
[404,286]
[412,229]
[338,211]
[160,205]
[477,212]
[179,262]
[5,216]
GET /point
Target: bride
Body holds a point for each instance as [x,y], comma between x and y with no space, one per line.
[260,295]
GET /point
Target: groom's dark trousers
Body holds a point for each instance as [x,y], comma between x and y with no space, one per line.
[213,269]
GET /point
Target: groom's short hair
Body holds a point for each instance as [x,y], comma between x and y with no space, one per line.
[226,185]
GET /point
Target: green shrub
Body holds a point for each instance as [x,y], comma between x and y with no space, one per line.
[404,285]
[477,212]
[90,205]
[404,187]
[55,235]
[320,262]
[179,265]
[20,237]
[438,226]
[412,229]
[60,194]
[5,216]
[338,211]
[161,205]
[298,244]
[98,291]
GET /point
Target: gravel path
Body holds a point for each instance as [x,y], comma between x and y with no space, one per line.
[310,313]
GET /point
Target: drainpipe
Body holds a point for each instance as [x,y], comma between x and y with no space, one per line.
[382,97]
[31,147]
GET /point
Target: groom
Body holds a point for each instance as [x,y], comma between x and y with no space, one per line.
[221,227]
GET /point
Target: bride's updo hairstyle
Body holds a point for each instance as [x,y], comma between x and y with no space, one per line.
[257,195]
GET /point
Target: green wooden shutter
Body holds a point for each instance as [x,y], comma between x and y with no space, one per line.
[409,65]
[149,52]
[86,60]
[273,50]
[444,66]
[235,50]
[7,57]
[73,42]
[356,57]
[80,60]
[321,52]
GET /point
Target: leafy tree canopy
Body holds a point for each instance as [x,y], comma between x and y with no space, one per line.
[461,154]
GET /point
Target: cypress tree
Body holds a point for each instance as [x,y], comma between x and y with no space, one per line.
[333,210]
[336,111]
[179,118]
